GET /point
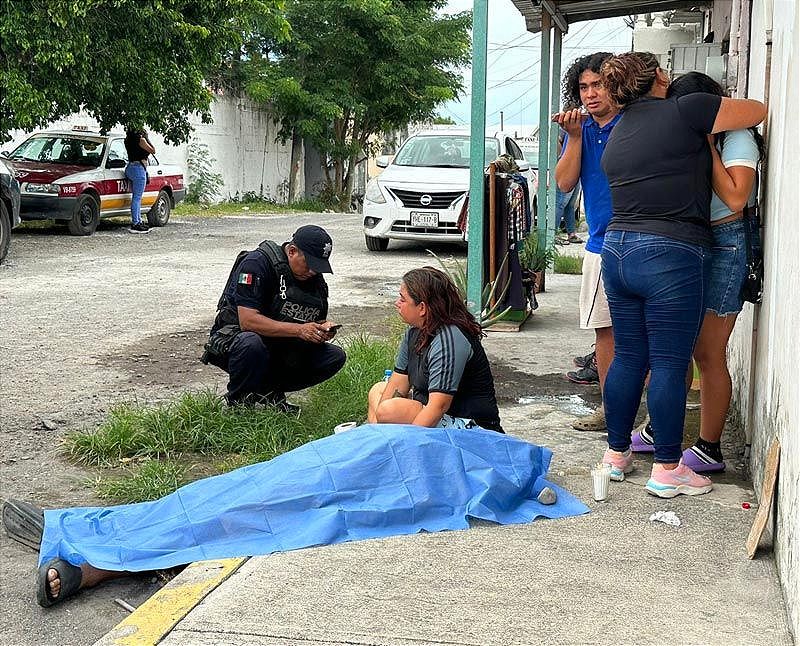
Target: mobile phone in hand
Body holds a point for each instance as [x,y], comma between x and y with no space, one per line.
[334,328]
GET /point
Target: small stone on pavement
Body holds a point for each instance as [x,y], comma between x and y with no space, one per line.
[547,496]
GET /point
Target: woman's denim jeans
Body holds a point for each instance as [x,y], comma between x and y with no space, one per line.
[565,208]
[655,288]
[137,174]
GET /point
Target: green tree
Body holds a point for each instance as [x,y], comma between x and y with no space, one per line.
[134,62]
[440,120]
[353,68]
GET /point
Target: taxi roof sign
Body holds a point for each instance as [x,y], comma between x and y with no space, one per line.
[81,128]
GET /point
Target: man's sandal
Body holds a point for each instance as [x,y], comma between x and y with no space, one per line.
[594,422]
[69,576]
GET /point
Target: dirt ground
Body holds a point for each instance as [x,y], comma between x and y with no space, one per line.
[90,322]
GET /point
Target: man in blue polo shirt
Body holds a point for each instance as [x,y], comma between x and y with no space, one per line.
[587,131]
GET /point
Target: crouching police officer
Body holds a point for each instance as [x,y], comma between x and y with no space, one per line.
[271,330]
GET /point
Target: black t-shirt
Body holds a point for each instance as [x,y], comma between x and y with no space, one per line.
[658,166]
[133,146]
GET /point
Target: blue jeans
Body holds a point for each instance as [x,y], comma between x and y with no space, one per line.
[655,288]
[565,208]
[137,174]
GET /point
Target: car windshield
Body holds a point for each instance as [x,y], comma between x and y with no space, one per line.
[448,151]
[61,149]
[531,156]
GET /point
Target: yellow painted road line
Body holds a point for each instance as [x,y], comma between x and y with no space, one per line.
[156,617]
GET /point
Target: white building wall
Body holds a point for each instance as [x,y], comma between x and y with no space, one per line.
[764,347]
[657,38]
[242,140]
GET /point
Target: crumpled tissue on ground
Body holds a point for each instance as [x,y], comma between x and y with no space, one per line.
[666,517]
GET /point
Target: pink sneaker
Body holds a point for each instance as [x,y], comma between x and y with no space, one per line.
[666,483]
[620,463]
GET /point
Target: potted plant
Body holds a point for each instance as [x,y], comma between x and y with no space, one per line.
[535,257]
[490,299]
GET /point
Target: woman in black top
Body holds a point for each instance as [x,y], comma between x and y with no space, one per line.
[139,149]
[656,255]
[441,376]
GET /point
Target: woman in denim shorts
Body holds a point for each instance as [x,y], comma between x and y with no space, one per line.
[735,157]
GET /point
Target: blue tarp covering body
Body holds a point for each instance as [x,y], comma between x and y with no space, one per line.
[374,481]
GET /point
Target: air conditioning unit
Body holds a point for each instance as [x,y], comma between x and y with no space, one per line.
[698,57]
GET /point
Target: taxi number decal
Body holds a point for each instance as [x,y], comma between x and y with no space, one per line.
[68,190]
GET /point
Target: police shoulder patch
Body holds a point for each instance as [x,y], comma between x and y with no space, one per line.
[245,279]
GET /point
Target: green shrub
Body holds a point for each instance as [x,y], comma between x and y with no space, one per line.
[202,184]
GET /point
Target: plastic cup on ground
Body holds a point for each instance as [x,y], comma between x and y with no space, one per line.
[346,426]
[601,476]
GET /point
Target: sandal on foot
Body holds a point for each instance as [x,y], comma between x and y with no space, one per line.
[594,422]
[69,575]
[574,238]
[23,523]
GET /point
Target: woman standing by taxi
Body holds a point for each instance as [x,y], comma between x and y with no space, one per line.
[139,149]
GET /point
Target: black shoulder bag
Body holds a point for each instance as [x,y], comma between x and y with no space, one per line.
[753,285]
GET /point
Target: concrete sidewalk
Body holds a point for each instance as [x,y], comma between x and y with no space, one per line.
[609,577]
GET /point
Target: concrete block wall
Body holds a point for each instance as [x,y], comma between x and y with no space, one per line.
[764,347]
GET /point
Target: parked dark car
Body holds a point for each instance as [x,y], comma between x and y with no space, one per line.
[9,207]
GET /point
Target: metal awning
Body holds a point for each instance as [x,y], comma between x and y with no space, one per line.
[551,18]
[565,12]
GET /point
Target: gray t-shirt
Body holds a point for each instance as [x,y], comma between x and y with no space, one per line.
[448,355]
[454,365]
[658,166]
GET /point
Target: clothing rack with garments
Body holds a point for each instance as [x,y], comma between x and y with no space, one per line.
[507,221]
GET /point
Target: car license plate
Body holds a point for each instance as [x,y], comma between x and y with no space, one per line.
[424,219]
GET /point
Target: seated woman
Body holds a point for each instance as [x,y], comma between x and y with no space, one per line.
[441,376]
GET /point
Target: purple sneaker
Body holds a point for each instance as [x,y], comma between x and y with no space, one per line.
[638,445]
[700,462]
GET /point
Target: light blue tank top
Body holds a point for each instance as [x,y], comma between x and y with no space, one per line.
[739,149]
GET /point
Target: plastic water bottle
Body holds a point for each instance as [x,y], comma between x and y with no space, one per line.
[387,375]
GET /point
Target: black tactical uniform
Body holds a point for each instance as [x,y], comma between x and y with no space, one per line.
[261,366]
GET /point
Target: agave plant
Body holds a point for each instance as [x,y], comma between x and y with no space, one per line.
[490,300]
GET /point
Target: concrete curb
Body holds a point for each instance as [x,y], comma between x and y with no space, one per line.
[157,616]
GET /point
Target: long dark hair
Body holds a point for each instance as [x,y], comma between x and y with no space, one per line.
[444,303]
[570,86]
[692,82]
[629,76]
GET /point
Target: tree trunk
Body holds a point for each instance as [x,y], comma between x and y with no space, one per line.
[296,161]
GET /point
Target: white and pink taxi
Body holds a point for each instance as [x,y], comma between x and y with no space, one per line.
[79,176]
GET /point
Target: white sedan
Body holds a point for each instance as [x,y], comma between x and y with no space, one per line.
[420,193]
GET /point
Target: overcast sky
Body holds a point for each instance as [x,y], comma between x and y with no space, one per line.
[512,84]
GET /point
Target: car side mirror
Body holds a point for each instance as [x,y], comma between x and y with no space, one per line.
[116,163]
[522,165]
[383,161]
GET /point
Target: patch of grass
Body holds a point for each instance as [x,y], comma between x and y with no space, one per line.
[568,264]
[150,481]
[155,443]
[254,207]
